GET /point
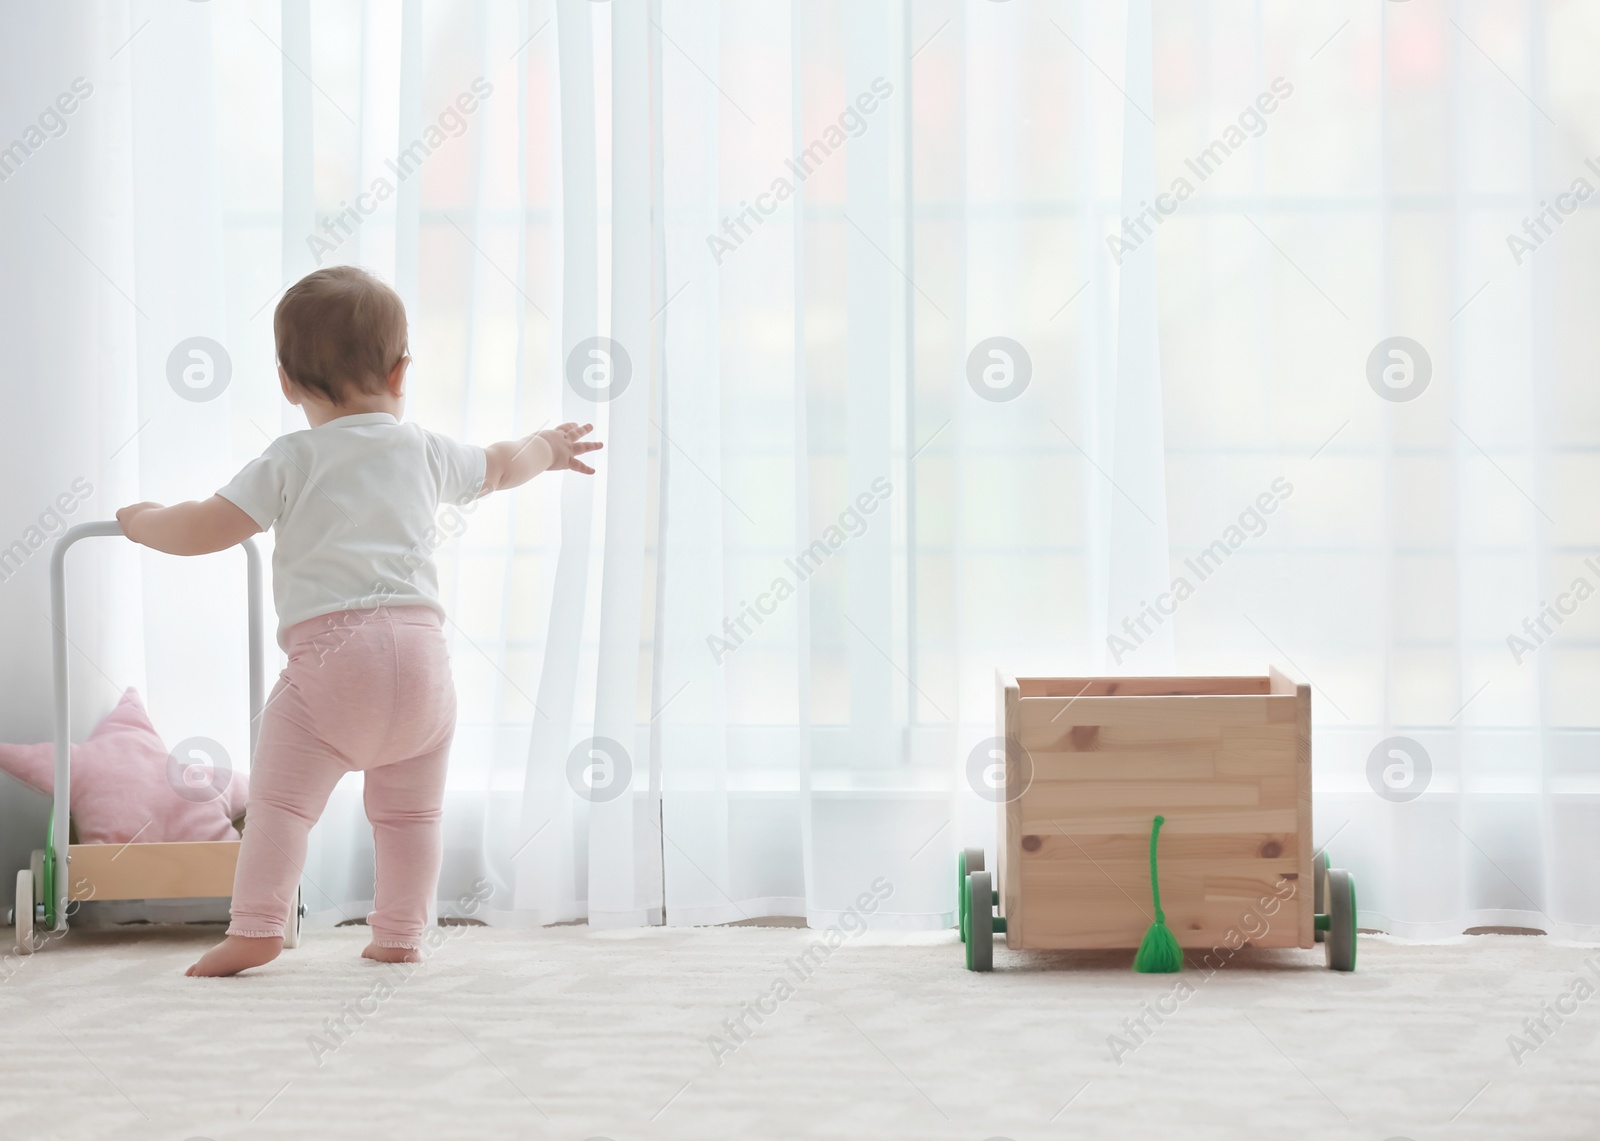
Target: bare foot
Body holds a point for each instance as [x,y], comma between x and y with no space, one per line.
[392,954]
[234,954]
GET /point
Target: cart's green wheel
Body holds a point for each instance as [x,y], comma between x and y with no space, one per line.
[1340,945]
[969,860]
[980,922]
[1319,876]
[24,916]
[49,877]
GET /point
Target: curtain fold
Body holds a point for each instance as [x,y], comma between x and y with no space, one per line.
[549,874]
[688,705]
[1135,490]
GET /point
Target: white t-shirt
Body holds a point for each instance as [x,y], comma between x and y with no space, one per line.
[355,503]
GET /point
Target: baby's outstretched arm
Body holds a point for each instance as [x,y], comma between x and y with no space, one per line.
[513,462]
[194,528]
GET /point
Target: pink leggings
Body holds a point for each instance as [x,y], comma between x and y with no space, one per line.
[368,690]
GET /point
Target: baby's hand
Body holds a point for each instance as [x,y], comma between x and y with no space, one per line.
[511,463]
[128,517]
[567,444]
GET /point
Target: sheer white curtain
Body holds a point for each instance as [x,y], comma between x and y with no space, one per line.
[930,337]
[1436,496]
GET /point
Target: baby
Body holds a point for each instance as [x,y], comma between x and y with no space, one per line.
[368,683]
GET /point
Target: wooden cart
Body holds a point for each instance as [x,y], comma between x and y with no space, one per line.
[1089,762]
[62,873]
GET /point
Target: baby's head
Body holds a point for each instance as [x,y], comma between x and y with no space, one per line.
[341,337]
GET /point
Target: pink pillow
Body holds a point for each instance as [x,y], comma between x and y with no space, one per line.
[126,786]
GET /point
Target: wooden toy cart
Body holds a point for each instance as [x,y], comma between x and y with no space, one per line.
[63,872]
[1089,762]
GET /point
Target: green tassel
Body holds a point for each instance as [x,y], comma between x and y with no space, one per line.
[1159,954]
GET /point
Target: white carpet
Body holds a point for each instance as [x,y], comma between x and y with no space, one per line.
[573,1033]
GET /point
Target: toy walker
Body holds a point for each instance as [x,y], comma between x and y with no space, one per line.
[63,872]
[1091,762]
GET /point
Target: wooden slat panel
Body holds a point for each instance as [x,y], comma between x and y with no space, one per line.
[1141,686]
[1223,848]
[1231,763]
[1101,821]
[1203,929]
[152,871]
[1107,914]
[1184,880]
[1247,887]
[1281,749]
[1046,719]
[1064,737]
[1278,735]
[1054,798]
[1104,918]
[1184,764]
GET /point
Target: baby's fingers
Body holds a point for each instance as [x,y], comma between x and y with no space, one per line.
[576,431]
[579,465]
[586,446]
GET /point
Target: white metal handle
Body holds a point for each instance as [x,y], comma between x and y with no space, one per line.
[58,619]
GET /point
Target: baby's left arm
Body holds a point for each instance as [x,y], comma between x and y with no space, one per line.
[194,528]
